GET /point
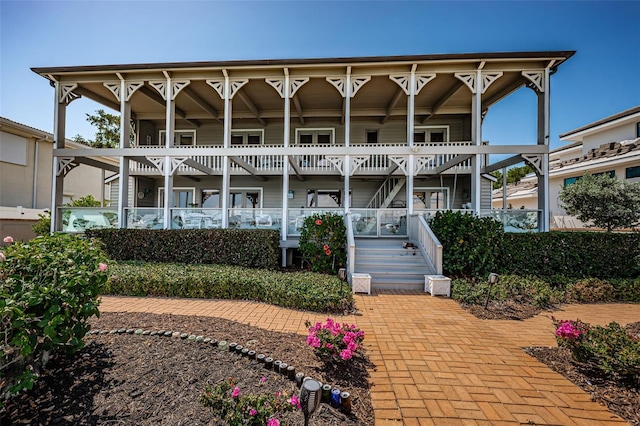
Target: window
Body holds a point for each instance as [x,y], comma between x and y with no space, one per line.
[638,130]
[431,198]
[632,172]
[424,134]
[569,181]
[13,149]
[248,198]
[210,198]
[372,136]
[182,197]
[247,137]
[325,198]
[315,136]
[180,137]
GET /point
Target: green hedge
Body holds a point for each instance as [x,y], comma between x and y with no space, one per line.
[571,254]
[299,290]
[254,248]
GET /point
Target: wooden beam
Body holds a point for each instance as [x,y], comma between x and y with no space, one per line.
[248,167]
[296,103]
[449,164]
[95,163]
[444,98]
[201,102]
[97,98]
[392,104]
[504,163]
[143,160]
[155,96]
[293,160]
[252,107]
[511,87]
[194,164]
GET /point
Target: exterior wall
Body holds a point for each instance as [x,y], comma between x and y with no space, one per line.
[614,134]
[82,181]
[16,180]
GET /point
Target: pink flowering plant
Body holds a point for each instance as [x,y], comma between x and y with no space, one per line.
[334,342]
[323,242]
[235,408]
[49,288]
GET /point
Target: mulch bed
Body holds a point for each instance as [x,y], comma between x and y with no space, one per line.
[509,309]
[130,379]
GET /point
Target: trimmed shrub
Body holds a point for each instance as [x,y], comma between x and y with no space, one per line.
[471,244]
[254,248]
[571,254]
[626,289]
[298,290]
[49,288]
[590,290]
[524,290]
[323,242]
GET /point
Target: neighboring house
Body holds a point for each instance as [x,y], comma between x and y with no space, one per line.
[610,145]
[26,159]
[265,143]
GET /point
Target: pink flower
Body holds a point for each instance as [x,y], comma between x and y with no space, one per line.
[102,267]
[8,239]
[3,258]
[327,252]
[263,379]
[313,340]
[236,392]
[295,402]
[346,354]
[329,345]
[252,412]
[318,222]
[326,247]
[273,422]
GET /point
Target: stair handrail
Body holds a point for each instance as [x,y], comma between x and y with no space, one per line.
[351,247]
[382,192]
[430,243]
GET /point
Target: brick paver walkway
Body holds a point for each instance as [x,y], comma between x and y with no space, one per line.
[435,363]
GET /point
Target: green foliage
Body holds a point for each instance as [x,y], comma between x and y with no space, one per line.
[298,290]
[43,225]
[470,243]
[590,290]
[523,290]
[49,288]
[323,242]
[234,408]
[570,254]
[333,342]
[107,130]
[626,289]
[514,174]
[603,201]
[611,349]
[255,248]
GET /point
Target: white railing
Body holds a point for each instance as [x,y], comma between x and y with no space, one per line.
[428,242]
[379,222]
[296,218]
[351,248]
[196,218]
[516,220]
[79,219]
[144,218]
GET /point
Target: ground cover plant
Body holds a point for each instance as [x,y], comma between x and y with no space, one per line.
[134,379]
[298,290]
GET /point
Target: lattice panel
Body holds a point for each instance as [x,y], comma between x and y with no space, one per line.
[278,84]
[66,93]
[468,78]
[177,86]
[535,77]
[401,161]
[535,160]
[161,87]
[339,83]
[337,161]
[489,77]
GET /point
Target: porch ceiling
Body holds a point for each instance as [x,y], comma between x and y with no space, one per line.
[379,99]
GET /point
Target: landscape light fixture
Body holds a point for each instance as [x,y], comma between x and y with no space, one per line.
[493,279]
[310,396]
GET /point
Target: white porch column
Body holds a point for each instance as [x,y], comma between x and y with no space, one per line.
[226,172]
[169,134]
[286,134]
[125,134]
[347,139]
[476,119]
[410,131]
[57,181]
[543,139]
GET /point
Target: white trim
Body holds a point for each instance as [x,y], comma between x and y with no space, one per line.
[315,130]
[245,133]
[443,127]
[615,123]
[175,135]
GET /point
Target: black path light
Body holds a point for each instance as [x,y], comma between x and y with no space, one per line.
[493,279]
[310,396]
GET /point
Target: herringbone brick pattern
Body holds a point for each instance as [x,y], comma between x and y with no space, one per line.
[435,364]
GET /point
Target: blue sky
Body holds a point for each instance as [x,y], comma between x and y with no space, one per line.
[603,78]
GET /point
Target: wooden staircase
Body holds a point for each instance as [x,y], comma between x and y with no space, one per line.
[390,265]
